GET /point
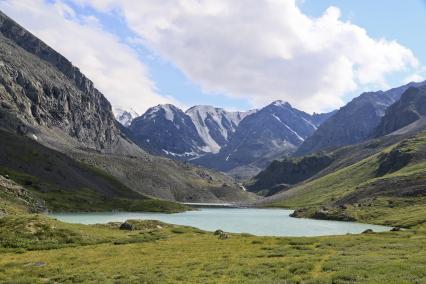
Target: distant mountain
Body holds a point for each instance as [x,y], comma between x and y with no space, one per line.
[125,117]
[274,131]
[407,114]
[167,130]
[353,123]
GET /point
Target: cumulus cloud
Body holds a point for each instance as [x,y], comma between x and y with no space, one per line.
[113,66]
[415,77]
[263,50]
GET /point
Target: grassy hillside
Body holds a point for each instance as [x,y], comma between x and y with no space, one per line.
[36,249]
[62,184]
[388,187]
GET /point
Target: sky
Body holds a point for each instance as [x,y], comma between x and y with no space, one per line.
[239,54]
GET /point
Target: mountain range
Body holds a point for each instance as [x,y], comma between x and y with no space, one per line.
[242,144]
[54,110]
[402,120]
[63,148]
[167,130]
[233,142]
[61,140]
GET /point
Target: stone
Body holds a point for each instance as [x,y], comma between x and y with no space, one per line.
[223,236]
[126,226]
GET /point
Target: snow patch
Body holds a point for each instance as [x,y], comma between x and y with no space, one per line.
[291,130]
[169,112]
[225,121]
[186,154]
[125,117]
[310,123]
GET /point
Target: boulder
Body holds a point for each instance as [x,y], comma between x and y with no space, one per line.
[223,236]
[395,229]
[126,226]
[368,231]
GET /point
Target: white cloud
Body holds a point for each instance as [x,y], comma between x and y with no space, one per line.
[416,77]
[263,50]
[112,65]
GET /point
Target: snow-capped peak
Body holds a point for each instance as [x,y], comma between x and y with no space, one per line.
[168,109]
[214,125]
[125,117]
[280,103]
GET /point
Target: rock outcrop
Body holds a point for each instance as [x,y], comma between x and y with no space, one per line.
[408,110]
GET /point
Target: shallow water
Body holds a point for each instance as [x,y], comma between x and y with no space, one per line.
[261,222]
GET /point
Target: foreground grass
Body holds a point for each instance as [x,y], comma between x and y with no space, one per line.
[159,253]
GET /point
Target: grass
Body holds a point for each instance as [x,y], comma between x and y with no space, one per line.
[11,204]
[85,199]
[47,251]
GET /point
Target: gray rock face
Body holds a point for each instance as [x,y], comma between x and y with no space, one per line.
[353,123]
[42,97]
[409,109]
[274,131]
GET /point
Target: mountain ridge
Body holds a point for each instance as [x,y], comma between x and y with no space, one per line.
[355,122]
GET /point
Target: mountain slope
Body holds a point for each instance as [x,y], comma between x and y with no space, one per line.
[388,186]
[411,108]
[275,130]
[64,184]
[167,130]
[353,123]
[44,97]
[41,91]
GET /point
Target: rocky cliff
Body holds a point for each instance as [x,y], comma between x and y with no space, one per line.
[410,109]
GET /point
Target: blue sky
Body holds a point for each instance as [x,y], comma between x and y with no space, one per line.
[241,56]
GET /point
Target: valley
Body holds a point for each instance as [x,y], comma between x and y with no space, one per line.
[95,193]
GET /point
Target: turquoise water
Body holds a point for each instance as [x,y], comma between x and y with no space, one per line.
[261,222]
